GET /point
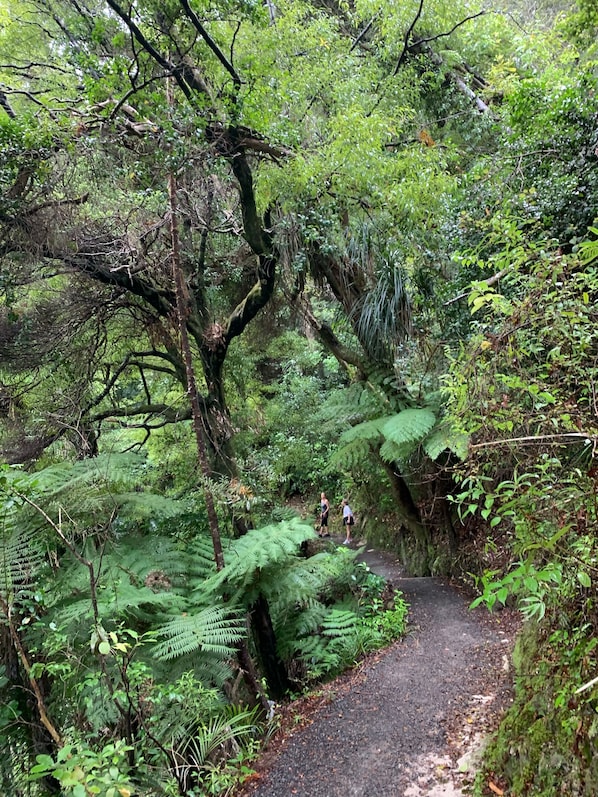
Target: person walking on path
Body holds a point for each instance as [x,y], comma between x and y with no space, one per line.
[348,520]
[324,512]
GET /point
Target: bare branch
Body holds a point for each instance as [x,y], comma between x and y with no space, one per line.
[452,30]
[568,437]
[362,34]
[211,43]
[407,37]
[57,203]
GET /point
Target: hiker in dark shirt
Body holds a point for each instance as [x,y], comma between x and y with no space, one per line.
[324,512]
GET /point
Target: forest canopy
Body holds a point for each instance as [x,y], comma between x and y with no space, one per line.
[249,252]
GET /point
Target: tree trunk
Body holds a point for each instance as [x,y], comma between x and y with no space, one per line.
[265,639]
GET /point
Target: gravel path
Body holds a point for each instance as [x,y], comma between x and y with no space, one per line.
[406,723]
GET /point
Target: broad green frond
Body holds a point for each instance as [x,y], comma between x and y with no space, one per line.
[140,576]
[351,455]
[444,438]
[370,431]
[338,622]
[352,404]
[408,426]
[117,470]
[22,553]
[392,452]
[213,630]
[258,555]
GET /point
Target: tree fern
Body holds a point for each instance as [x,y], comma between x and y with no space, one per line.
[589,249]
[444,438]
[95,488]
[392,452]
[339,623]
[368,431]
[409,426]
[336,647]
[350,455]
[213,630]
[352,405]
[256,557]
[23,553]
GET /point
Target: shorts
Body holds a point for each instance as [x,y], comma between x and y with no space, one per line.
[348,521]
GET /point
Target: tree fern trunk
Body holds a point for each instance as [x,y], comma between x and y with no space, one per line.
[272,665]
[406,506]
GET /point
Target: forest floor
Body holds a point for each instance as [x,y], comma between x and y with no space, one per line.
[409,721]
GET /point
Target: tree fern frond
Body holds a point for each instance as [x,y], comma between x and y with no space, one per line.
[208,668]
[257,556]
[392,452]
[305,623]
[589,249]
[22,554]
[369,431]
[353,404]
[118,470]
[338,622]
[200,551]
[351,455]
[443,439]
[408,426]
[215,630]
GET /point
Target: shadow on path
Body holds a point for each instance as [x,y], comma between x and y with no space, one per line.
[388,735]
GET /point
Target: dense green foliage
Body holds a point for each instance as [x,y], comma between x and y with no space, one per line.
[121,625]
[365,234]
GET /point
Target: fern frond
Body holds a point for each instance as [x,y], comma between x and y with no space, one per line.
[588,250]
[369,431]
[22,554]
[351,455]
[392,452]
[408,426]
[352,404]
[443,439]
[257,557]
[213,630]
[339,622]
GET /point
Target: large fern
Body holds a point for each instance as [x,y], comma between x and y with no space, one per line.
[212,630]
[256,558]
[337,646]
[22,554]
[444,438]
[409,426]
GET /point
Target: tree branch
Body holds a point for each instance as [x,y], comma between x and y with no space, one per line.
[408,33]
[211,43]
[4,103]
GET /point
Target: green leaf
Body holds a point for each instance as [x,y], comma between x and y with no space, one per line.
[104,648]
[502,595]
[584,578]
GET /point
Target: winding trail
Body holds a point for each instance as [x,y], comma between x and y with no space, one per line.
[400,726]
